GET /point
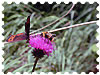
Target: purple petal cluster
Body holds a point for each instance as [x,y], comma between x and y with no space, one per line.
[41,43]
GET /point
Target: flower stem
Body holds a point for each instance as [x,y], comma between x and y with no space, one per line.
[35,64]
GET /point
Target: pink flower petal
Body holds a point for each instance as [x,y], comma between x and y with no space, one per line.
[42,43]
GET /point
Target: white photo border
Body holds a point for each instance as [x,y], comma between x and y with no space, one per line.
[42,2]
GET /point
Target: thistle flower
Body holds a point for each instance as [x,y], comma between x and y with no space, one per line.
[43,46]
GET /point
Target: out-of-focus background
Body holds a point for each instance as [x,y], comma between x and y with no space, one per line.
[75,47]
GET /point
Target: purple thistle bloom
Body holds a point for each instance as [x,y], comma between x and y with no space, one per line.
[42,45]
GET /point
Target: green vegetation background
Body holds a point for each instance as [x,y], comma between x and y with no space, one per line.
[75,47]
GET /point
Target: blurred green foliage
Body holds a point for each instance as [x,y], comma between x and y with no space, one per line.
[75,47]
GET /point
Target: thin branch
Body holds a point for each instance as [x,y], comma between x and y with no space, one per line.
[72,26]
[76,25]
[25,6]
[68,23]
[55,20]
